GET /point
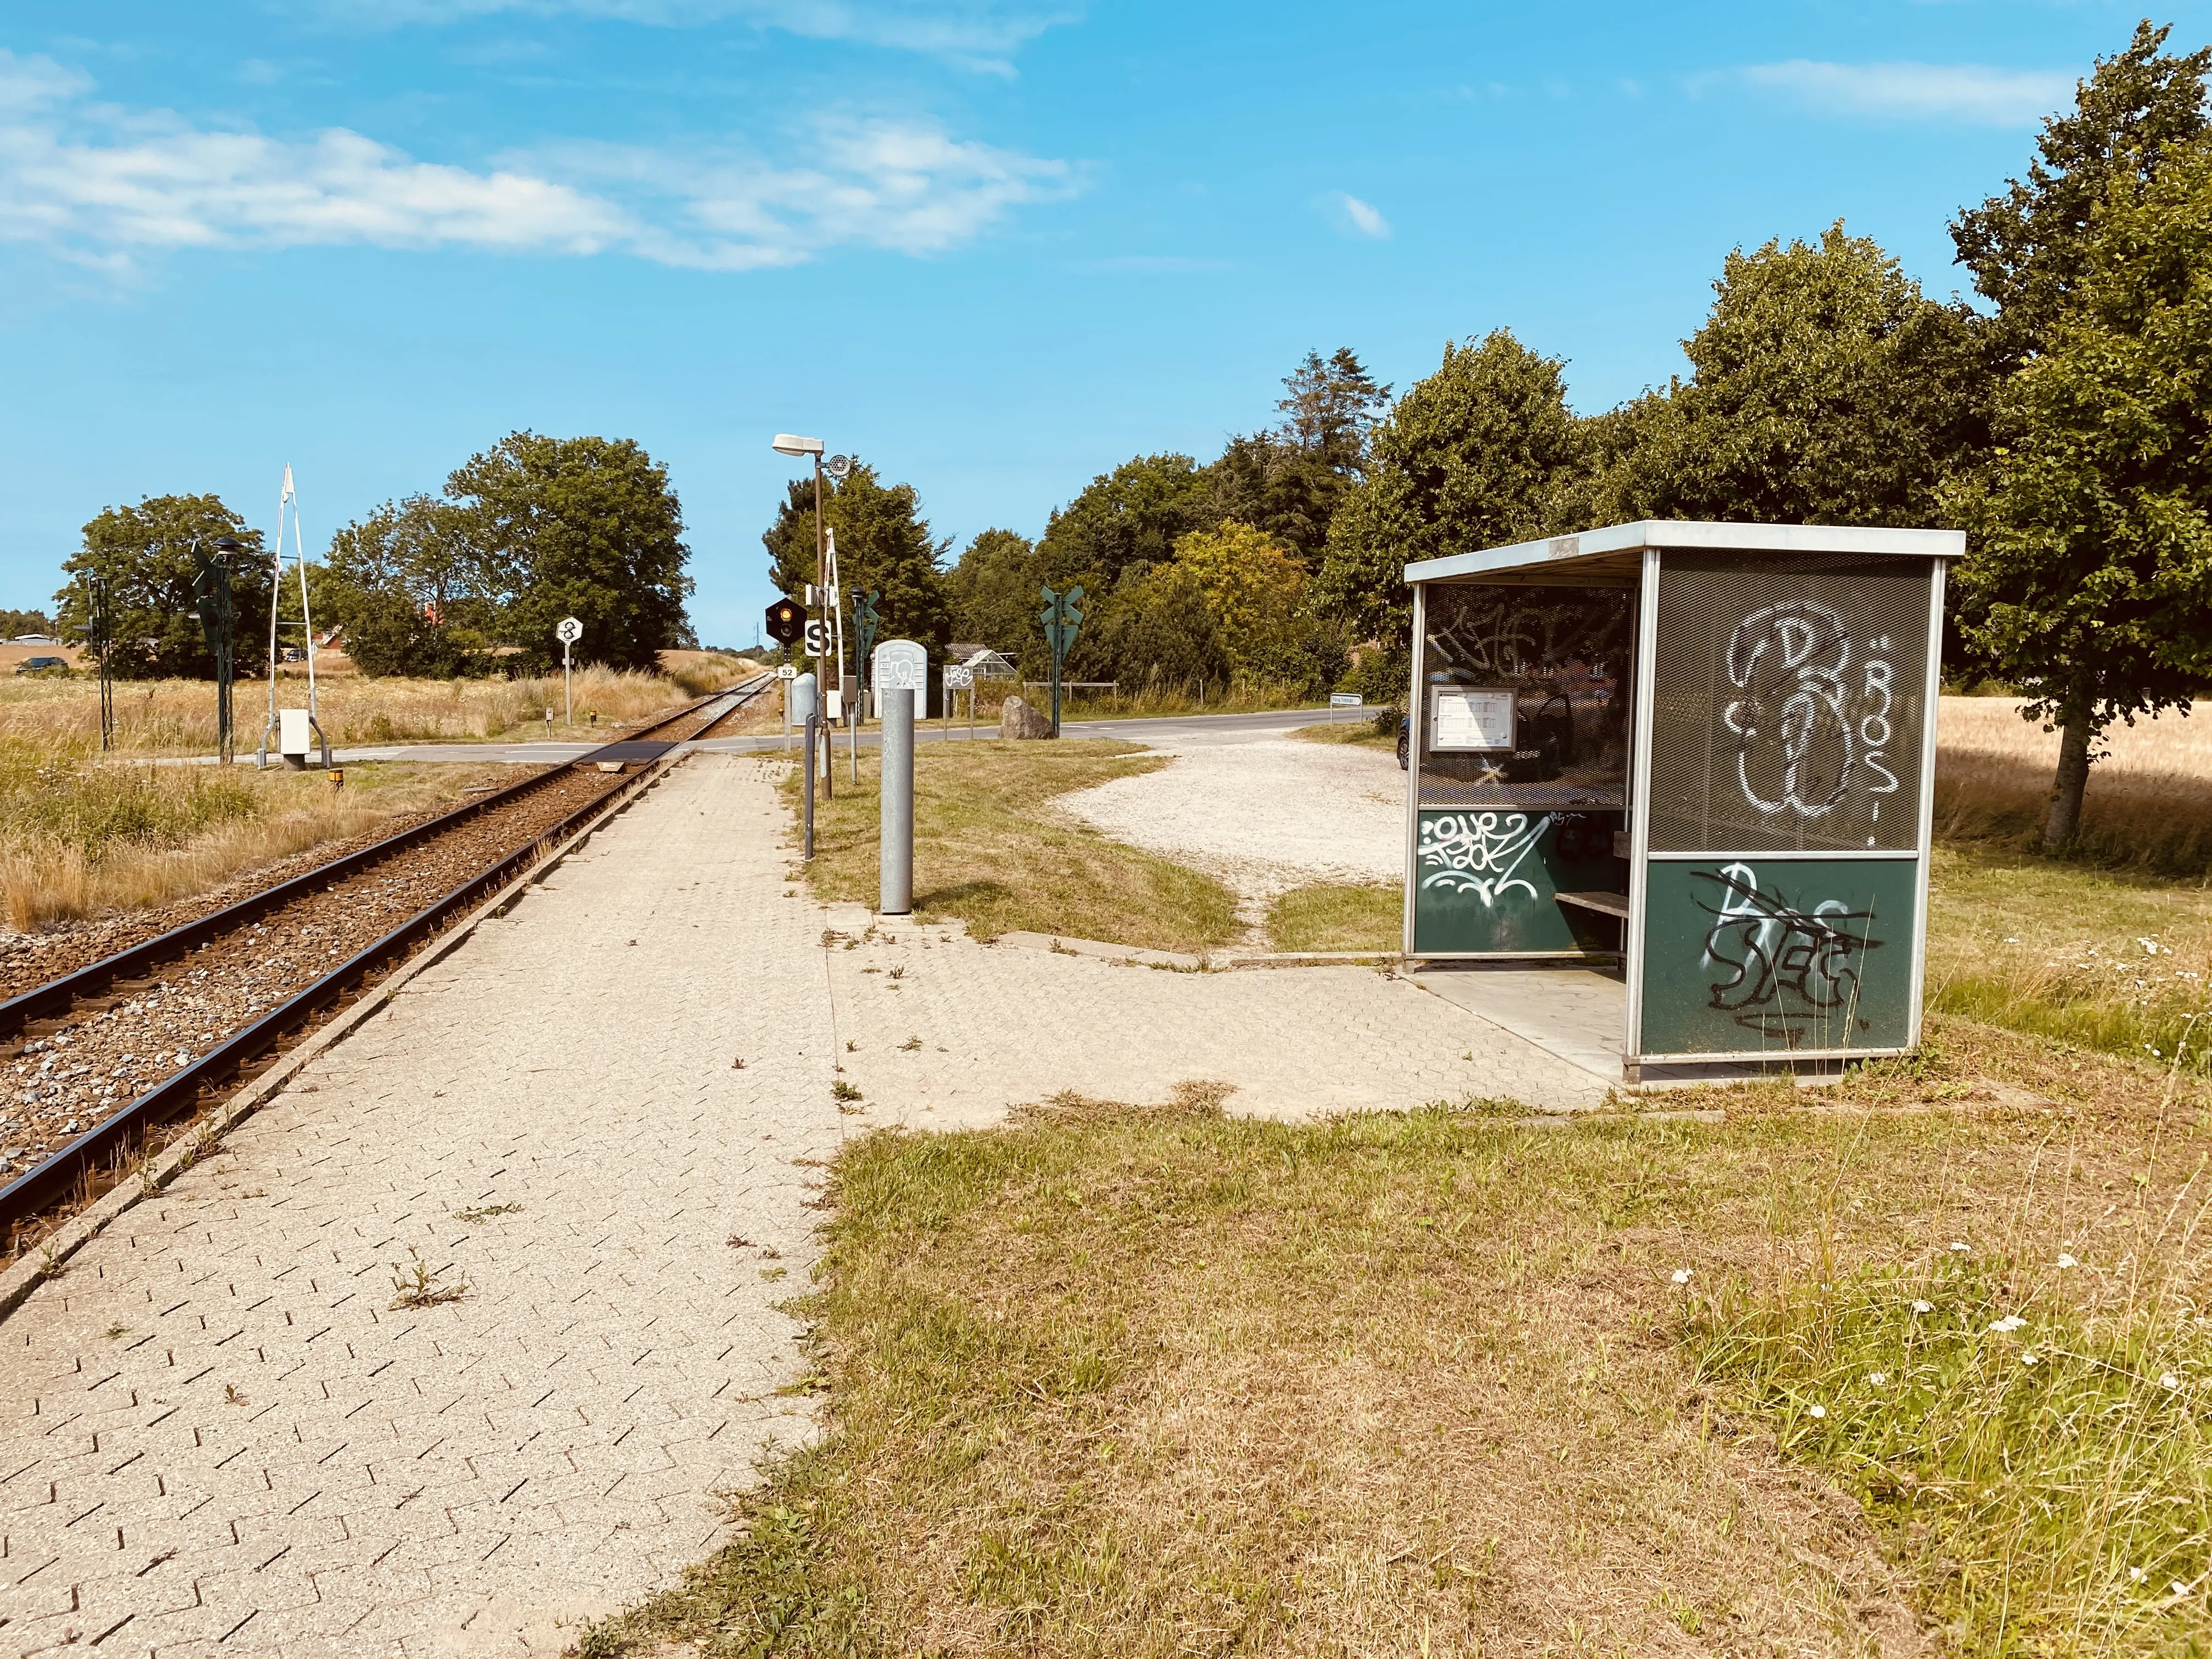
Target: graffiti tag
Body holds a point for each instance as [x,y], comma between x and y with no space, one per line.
[1782,967]
[1479,853]
[1797,745]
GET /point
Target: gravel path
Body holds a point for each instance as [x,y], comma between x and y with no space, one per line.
[1263,816]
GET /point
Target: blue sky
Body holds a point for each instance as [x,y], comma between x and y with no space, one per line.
[994,246]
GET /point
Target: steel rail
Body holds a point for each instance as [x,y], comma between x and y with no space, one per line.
[135,961]
[50,1181]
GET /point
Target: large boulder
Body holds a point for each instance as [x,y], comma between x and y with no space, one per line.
[1018,720]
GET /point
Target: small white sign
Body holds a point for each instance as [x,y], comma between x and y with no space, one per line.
[958,676]
[818,638]
[1463,719]
[788,671]
[568,630]
[1344,700]
[901,666]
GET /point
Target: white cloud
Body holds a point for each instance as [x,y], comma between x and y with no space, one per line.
[113,189]
[1361,218]
[1972,93]
[981,33]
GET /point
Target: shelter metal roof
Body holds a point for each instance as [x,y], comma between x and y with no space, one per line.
[1615,553]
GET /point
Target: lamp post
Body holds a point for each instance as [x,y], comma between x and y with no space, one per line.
[825,570]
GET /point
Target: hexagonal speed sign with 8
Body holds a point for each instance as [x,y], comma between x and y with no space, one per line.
[568,631]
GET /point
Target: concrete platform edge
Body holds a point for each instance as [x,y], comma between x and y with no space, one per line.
[25,1276]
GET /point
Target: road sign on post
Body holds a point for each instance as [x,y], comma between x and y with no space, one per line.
[568,630]
[959,677]
[1060,619]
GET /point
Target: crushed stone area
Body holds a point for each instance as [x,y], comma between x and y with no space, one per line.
[1261,817]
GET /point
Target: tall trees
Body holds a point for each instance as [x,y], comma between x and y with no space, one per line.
[2093,582]
[2090,582]
[1290,480]
[2028,247]
[411,598]
[1478,454]
[145,554]
[992,595]
[531,531]
[1130,516]
[586,527]
[883,543]
[1827,390]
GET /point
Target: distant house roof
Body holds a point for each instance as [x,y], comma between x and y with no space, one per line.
[991,665]
[34,639]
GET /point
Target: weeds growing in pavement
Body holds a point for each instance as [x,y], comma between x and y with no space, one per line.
[419,1284]
[485,1211]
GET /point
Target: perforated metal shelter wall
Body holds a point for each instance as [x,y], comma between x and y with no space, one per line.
[1523,696]
[1789,703]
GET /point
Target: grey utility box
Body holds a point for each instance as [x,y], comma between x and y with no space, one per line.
[1701,752]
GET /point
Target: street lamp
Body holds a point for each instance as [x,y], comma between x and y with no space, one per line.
[787,443]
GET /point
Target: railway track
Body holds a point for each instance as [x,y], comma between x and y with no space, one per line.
[94,1062]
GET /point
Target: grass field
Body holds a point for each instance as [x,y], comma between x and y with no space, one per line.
[80,835]
[82,832]
[177,717]
[1122,1381]
[988,849]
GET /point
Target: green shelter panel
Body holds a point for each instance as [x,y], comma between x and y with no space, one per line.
[1745,955]
[1487,882]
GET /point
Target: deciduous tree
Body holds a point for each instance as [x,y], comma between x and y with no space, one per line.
[2092,583]
[145,554]
[1476,454]
[587,527]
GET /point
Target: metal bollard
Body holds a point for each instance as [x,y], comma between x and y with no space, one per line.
[897,804]
[812,721]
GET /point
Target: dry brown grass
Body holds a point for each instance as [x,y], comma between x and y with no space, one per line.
[177,717]
[80,837]
[2150,804]
[989,850]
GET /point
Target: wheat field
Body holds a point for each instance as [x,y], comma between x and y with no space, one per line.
[178,717]
[2149,801]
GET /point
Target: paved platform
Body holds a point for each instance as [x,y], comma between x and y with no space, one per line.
[219,1436]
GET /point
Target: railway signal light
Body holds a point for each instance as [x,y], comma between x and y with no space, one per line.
[787,620]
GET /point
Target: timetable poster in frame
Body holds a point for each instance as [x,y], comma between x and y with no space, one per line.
[1471,719]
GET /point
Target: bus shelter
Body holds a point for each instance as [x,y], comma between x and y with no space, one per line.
[1698,757]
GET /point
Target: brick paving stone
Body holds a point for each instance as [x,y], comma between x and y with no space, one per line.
[268,1457]
[335,1475]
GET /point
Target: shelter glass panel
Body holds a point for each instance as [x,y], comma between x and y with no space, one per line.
[1789,703]
[1522,701]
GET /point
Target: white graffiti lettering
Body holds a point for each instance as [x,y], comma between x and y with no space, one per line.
[1477,853]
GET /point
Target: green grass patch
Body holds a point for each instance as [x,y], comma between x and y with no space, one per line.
[2108,959]
[1357,727]
[2043,1468]
[1330,916]
[989,851]
[1122,1382]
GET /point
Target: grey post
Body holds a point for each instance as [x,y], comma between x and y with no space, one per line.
[898,801]
[803,710]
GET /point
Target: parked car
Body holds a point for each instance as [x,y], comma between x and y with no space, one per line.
[35,665]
